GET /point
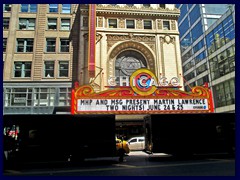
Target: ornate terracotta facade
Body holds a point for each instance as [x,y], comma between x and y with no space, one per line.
[149,31]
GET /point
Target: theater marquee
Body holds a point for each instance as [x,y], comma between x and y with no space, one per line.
[143,96]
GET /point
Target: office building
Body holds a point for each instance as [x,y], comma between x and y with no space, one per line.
[207,40]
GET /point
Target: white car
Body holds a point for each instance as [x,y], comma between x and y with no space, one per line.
[136,143]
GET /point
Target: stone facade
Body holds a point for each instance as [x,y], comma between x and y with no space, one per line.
[159,46]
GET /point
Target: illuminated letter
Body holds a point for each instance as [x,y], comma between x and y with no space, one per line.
[175,81]
[124,79]
[133,81]
[112,81]
[143,81]
[163,81]
[153,82]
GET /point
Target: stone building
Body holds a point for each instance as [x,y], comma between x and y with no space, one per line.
[129,37]
[45,50]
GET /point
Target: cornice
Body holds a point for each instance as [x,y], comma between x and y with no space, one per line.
[133,11]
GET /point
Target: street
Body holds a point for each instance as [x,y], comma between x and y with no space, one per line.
[135,164]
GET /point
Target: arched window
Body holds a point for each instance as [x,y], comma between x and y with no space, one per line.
[127,62]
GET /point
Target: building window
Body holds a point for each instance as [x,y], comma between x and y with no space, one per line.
[130,24]
[190,76]
[186,56]
[66,8]
[201,68]
[162,6]
[214,68]
[202,80]
[65,24]
[197,31]
[198,46]
[188,66]
[231,58]
[25,45]
[28,7]
[22,69]
[5,23]
[229,29]
[63,68]
[183,28]
[147,24]
[4,44]
[223,63]
[64,45]
[44,96]
[53,8]
[52,24]
[112,23]
[49,69]
[166,25]
[127,62]
[64,96]
[26,24]
[216,8]
[224,93]
[186,42]
[50,45]
[146,5]
[194,14]
[200,57]
[220,35]
[18,97]
[7,7]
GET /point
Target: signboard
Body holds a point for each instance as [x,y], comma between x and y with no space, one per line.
[143,96]
[106,105]
[92,40]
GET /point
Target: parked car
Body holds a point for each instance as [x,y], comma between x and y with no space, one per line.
[136,143]
[122,146]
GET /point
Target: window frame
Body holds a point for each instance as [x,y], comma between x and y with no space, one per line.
[166,25]
[145,26]
[30,8]
[51,45]
[112,23]
[63,46]
[132,26]
[67,9]
[6,22]
[52,24]
[23,70]
[25,45]
[147,5]
[28,23]
[64,96]
[61,71]
[65,25]
[4,45]
[7,7]
[53,7]
[48,72]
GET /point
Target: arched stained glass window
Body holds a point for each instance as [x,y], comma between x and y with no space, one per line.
[129,61]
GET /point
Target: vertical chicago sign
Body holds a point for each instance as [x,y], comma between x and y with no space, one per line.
[92,40]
